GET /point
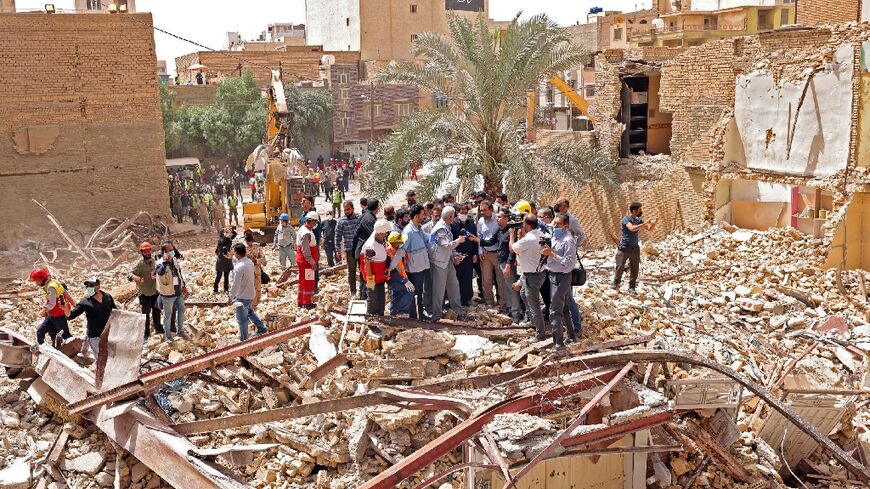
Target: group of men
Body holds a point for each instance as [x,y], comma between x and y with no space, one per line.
[427,255]
[206,198]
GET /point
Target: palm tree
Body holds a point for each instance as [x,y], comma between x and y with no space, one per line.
[485,78]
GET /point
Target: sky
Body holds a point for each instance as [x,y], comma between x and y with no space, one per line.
[207,21]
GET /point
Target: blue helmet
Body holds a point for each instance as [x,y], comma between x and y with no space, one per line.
[284,217]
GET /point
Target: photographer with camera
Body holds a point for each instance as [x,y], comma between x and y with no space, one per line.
[532,275]
[629,246]
[505,275]
[561,255]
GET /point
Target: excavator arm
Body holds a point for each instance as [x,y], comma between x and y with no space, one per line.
[575,98]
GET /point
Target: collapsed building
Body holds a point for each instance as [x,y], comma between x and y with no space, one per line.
[741,363]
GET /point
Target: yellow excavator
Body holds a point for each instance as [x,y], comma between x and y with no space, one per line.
[561,85]
[283,191]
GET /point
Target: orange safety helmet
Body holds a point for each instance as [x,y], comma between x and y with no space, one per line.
[39,275]
[145,246]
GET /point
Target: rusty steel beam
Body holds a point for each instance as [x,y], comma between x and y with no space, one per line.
[372,399]
[328,366]
[581,417]
[621,451]
[196,364]
[455,328]
[467,429]
[618,430]
[854,466]
[147,438]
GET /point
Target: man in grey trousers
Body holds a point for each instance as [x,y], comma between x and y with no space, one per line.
[442,256]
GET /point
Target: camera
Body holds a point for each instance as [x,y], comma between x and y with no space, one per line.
[515,220]
[546,241]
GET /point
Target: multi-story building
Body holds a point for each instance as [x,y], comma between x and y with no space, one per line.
[275,38]
[162,72]
[104,5]
[366,112]
[381,30]
[699,21]
[555,109]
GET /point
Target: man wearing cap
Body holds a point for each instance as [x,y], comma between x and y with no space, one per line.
[442,257]
[244,291]
[285,239]
[143,274]
[307,256]
[373,265]
[401,289]
[97,307]
[57,300]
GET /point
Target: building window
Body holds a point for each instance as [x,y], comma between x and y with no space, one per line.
[94,5]
[413,8]
[783,16]
[342,78]
[344,93]
[590,90]
[617,34]
[413,37]
[403,109]
[378,110]
[345,122]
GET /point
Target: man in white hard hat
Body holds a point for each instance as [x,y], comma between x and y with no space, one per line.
[373,265]
[307,256]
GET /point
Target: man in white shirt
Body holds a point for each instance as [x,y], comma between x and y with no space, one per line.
[532,275]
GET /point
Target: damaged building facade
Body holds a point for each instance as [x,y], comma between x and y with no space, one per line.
[759,131]
[81,121]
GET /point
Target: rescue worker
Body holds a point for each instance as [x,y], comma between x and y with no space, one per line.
[97,307]
[143,275]
[219,213]
[285,239]
[336,200]
[307,256]
[401,289]
[204,214]
[54,310]
[373,266]
[233,205]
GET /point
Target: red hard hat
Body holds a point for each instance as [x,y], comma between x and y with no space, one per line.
[146,246]
[39,275]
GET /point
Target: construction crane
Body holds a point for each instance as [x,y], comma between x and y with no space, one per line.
[282,191]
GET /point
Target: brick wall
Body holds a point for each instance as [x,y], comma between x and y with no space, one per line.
[810,12]
[350,99]
[300,63]
[187,95]
[81,127]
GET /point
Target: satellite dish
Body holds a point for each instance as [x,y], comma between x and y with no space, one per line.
[659,23]
[327,59]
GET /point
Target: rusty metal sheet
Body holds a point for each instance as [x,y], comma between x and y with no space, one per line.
[191,365]
[322,371]
[120,349]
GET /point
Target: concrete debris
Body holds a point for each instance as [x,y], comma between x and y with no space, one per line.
[16,475]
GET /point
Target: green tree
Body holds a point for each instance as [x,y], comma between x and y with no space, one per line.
[313,112]
[234,125]
[485,78]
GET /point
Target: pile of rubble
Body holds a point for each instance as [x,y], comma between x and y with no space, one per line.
[393,401]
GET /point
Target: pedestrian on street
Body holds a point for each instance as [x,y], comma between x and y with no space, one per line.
[223,258]
[401,289]
[97,307]
[203,214]
[629,246]
[143,275]
[336,200]
[285,241]
[373,264]
[345,230]
[442,257]
[307,257]
[219,214]
[243,292]
[561,259]
[417,261]
[57,303]
[172,289]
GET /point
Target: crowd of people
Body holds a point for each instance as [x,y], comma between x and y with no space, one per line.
[436,259]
